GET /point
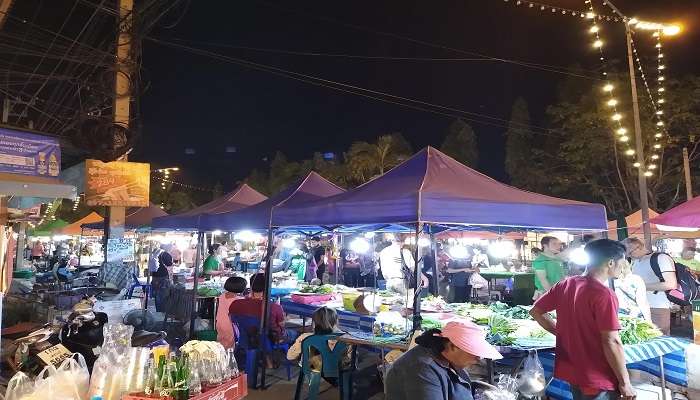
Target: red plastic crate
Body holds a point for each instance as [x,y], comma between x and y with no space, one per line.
[234,389]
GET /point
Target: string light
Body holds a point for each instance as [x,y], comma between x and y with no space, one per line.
[562,11]
[608,88]
[184,185]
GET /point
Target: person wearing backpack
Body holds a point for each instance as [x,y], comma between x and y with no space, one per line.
[659,303]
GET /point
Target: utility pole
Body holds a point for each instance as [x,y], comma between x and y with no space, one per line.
[643,193]
[122,100]
[686,171]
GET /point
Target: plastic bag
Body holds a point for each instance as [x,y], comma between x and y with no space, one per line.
[19,386]
[532,381]
[477,281]
[44,385]
[73,377]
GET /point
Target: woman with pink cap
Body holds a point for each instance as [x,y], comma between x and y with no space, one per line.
[435,368]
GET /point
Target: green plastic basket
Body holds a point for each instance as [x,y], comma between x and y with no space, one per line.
[208,335]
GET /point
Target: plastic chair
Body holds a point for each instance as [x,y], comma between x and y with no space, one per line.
[247,338]
[331,366]
[145,287]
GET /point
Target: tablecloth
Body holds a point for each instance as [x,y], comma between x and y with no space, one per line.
[644,357]
[346,319]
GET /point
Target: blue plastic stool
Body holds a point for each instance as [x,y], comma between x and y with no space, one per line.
[145,287]
[246,328]
[331,366]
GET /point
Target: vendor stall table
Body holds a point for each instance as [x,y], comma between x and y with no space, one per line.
[346,319]
[663,357]
[523,284]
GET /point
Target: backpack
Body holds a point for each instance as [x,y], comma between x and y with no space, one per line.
[688,287]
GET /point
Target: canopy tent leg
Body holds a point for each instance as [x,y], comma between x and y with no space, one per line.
[340,263]
[198,255]
[416,272]
[433,268]
[266,301]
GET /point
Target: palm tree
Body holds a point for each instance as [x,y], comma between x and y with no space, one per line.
[366,160]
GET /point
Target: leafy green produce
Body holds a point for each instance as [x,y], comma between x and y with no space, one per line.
[499,307]
[635,330]
[517,312]
[539,333]
[429,323]
[323,289]
[500,331]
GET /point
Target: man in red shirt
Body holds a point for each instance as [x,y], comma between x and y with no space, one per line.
[253,307]
[589,352]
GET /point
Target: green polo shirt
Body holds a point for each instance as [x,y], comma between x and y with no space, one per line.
[693,264]
[210,264]
[553,267]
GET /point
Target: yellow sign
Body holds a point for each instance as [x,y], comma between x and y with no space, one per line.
[54,355]
[117,183]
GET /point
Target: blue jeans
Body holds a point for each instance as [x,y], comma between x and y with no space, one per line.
[604,395]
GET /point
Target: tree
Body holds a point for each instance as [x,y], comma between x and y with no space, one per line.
[580,158]
[519,141]
[367,160]
[460,143]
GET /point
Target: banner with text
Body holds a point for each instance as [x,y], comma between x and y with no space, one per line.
[117,183]
[29,154]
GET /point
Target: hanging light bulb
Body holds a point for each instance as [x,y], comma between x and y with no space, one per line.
[662,67]
[654,156]
[616,117]
[637,165]
[658,135]
[624,138]
[651,166]
[660,112]
[661,55]
[658,45]
[660,123]
[629,152]
[598,44]
[594,29]
[661,101]
[648,173]
[657,146]
[612,102]
[661,90]
[608,87]
[621,131]
[590,15]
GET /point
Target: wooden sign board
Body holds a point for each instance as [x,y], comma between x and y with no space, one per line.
[55,355]
[117,183]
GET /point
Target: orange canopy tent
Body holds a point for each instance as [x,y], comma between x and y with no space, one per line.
[76,227]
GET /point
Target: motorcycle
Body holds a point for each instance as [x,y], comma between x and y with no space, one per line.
[81,333]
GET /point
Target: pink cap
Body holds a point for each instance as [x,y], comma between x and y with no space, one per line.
[470,338]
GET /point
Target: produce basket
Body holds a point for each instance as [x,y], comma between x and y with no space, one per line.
[234,389]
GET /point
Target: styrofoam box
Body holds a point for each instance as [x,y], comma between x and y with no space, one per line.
[646,391]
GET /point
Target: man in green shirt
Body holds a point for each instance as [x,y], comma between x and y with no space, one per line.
[548,267]
[211,265]
[688,259]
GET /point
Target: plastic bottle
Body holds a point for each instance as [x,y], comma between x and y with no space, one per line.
[232,363]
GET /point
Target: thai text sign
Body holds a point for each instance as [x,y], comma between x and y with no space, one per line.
[29,154]
[117,183]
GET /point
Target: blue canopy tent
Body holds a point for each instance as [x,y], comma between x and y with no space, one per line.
[257,217]
[140,218]
[243,196]
[433,188]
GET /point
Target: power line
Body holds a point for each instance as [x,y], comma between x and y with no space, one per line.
[343,87]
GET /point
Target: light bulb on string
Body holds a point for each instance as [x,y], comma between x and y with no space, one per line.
[657,146]
[659,112]
[629,152]
[662,67]
[624,138]
[658,135]
[612,102]
[651,166]
[661,90]
[598,43]
[654,156]
[660,123]
[661,79]
[616,117]
[648,173]
[608,87]
[594,29]
[621,131]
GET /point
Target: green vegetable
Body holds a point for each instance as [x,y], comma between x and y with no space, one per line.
[499,307]
[429,323]
[635,330]
[324,289]
[517,312]
[500,331]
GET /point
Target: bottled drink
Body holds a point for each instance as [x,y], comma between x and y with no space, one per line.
[167,381]
[195,383]
[151,377]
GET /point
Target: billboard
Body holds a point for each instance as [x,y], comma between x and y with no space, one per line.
[25,153]
[117,183]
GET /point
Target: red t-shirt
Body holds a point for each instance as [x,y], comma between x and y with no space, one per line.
[585,308]
[254,308]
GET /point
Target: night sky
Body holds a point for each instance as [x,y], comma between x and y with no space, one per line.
[207,105]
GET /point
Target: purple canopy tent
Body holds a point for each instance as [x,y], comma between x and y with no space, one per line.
[686,215]
[433,188]
[136,218]
[243,196]
[257,217]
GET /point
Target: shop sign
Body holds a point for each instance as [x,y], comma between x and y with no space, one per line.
[54,355]
[117,183]
[120,249]
[25,153]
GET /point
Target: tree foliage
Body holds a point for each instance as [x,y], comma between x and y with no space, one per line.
[518,139]
[579,156]
[367,160]
[460,143]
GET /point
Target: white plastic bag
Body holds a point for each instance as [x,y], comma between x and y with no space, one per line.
[19,386]
[73,377]
[532,381]
[477,281]
[44,385]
